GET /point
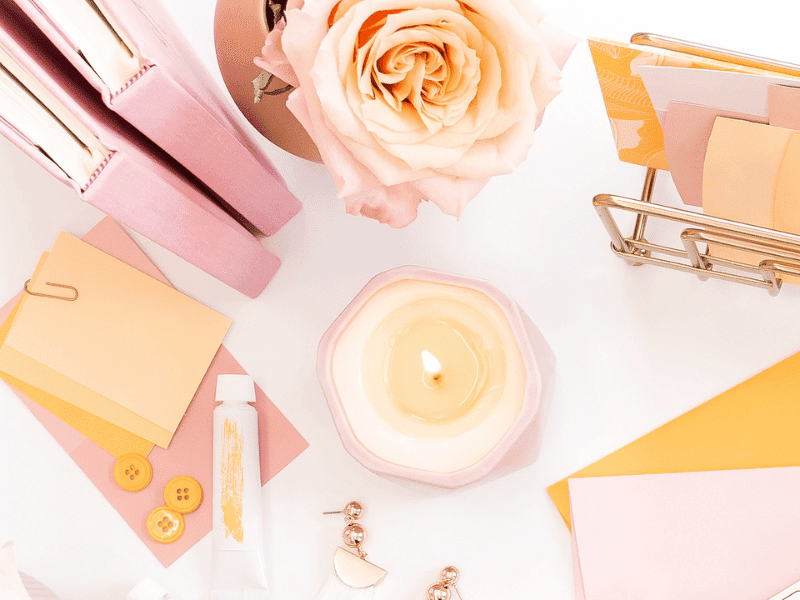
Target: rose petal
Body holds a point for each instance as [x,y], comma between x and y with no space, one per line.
[450,194]
[560,44]
[274,60]
[393,205]
[532,14]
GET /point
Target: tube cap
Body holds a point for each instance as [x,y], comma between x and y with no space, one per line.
[235,388]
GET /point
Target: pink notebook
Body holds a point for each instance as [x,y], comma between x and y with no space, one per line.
[173,101]
[189,453]
[136,184]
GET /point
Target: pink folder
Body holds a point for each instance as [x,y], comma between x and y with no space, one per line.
[189,453]
[174,102]
[707,535]
[137,185]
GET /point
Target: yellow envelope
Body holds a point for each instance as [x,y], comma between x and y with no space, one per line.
[637,131]
[753,425]
[130,350]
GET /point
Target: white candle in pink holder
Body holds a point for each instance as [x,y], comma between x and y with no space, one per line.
[436,378]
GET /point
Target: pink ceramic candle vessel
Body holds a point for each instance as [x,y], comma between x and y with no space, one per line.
[436,378]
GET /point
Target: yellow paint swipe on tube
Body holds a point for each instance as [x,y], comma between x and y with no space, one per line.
[232,481]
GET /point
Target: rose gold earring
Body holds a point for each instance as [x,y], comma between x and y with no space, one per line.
[353,576]
[441,590]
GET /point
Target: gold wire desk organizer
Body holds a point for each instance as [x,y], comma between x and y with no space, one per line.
[775,254]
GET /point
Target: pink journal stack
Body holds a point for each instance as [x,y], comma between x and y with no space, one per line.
[169,120]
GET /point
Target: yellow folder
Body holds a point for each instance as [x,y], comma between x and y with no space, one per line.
[753,425]
[130,350]
[637,131]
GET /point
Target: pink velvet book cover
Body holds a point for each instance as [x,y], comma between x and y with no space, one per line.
[189,453]
[174,101]
[136,185]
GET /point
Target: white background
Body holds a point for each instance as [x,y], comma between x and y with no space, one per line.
[636,347]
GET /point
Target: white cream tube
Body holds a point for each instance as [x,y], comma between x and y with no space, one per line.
[237,570]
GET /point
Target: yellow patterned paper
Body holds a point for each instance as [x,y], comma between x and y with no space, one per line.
[637,132]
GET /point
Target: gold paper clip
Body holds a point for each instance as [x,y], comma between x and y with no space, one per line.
[58,285]
[772,255]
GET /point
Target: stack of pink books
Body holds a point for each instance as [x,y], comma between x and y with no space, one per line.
[109,98]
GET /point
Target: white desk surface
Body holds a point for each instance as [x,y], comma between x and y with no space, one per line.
[636,347]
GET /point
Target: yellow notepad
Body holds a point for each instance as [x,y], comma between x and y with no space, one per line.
[752,425]
[130,350]
[114,440]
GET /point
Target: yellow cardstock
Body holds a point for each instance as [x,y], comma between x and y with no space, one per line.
[753,425]
[786,212]
[114,440]
[741,169]
[637,131]
[130,350]
[750,174]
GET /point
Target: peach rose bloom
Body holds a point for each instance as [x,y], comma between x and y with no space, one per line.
[411,100]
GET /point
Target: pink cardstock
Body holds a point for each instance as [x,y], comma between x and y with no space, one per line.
[687,129]
[784,106]
[727,90]
[712,535]
[687,101]
[189,453]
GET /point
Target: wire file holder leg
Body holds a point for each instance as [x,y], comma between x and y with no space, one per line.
[764,257]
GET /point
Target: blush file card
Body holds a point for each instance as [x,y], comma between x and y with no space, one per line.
[161,120]
[705,535]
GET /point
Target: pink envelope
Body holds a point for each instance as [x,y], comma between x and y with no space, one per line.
[189,453]
[709,535]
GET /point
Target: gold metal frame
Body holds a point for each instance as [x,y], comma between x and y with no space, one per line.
[775,254]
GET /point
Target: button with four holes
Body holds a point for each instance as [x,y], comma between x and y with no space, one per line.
[183,494]
[165,525]
[133,472]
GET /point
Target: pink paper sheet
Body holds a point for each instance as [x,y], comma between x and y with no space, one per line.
[713,535]
[687,129]
[725,90]
[784,106]
[190,450]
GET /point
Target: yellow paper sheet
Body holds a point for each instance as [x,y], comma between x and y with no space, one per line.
[741,170]
[753,425]
[786,214]
[114,440]
[637,131]
[131,350]
[750,175]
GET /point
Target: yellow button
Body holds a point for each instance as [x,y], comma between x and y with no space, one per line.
[165,525]
[183,493]
[133,472]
